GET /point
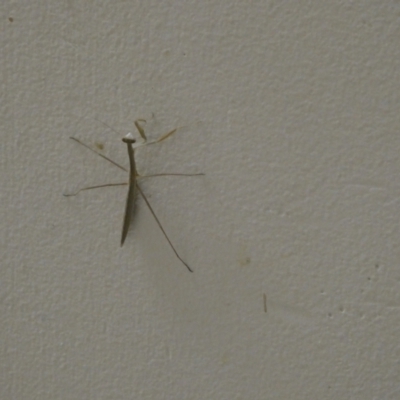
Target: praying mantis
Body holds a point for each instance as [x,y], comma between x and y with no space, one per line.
[134,188]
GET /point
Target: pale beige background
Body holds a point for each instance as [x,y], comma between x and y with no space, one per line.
[291,108]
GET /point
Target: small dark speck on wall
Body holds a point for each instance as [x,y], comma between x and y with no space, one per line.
[11,19]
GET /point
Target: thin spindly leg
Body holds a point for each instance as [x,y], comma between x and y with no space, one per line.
[166,174]
[101,155]
[105,158]
[140,129]
[160,139]
[93,187]
[143,135]
[160,226]
[167,135]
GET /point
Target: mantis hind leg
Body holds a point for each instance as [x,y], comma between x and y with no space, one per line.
[93,187]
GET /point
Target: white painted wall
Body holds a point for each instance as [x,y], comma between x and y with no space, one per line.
[291,108]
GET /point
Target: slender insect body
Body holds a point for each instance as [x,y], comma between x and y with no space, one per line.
[131,196]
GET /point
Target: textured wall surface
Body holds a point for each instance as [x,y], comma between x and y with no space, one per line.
[291,109]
